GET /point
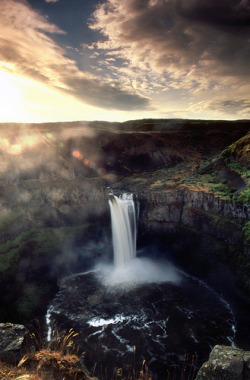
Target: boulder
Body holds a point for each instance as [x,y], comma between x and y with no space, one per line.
[226,363]
[13,340]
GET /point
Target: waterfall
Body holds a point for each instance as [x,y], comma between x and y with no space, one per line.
[123,223]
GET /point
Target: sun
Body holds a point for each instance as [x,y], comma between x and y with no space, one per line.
[10,96]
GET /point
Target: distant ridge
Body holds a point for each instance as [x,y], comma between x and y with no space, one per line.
[137,125]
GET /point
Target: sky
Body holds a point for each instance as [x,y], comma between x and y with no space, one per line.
[116,60]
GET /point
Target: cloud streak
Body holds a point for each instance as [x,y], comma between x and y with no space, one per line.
[241,106]
[27,48]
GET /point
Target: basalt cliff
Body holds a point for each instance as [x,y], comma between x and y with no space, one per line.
[190,178]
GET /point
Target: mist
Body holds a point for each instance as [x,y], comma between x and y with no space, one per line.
[136,272]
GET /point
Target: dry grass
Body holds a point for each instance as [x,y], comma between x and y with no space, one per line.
[54,365]
[47,365]
[11,372]
[59,360]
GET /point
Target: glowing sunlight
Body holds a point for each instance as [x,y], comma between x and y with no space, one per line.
[10,95]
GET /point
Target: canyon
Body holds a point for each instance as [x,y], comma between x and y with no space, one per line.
[190,179]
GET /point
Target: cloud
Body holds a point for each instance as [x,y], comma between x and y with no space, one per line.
[240,106]
[28,49]
[224,107]
[193,44]
[104,95]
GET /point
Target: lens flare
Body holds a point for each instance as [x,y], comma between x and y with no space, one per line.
[86,162]
[77,154]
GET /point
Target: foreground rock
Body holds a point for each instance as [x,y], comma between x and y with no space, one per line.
[226,363]
[13,340]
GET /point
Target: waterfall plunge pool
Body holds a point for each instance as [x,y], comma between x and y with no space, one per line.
[138,309]
[160,321]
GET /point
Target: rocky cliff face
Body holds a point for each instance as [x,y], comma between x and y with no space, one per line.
[195,209]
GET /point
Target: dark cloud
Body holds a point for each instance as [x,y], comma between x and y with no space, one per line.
[232,16]
[179,37]
[224,29]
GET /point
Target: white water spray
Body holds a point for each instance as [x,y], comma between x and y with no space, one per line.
[123,220]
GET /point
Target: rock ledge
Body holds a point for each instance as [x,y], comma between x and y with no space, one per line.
[226,363]
[13,340]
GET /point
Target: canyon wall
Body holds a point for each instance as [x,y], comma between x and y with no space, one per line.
[204,212]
